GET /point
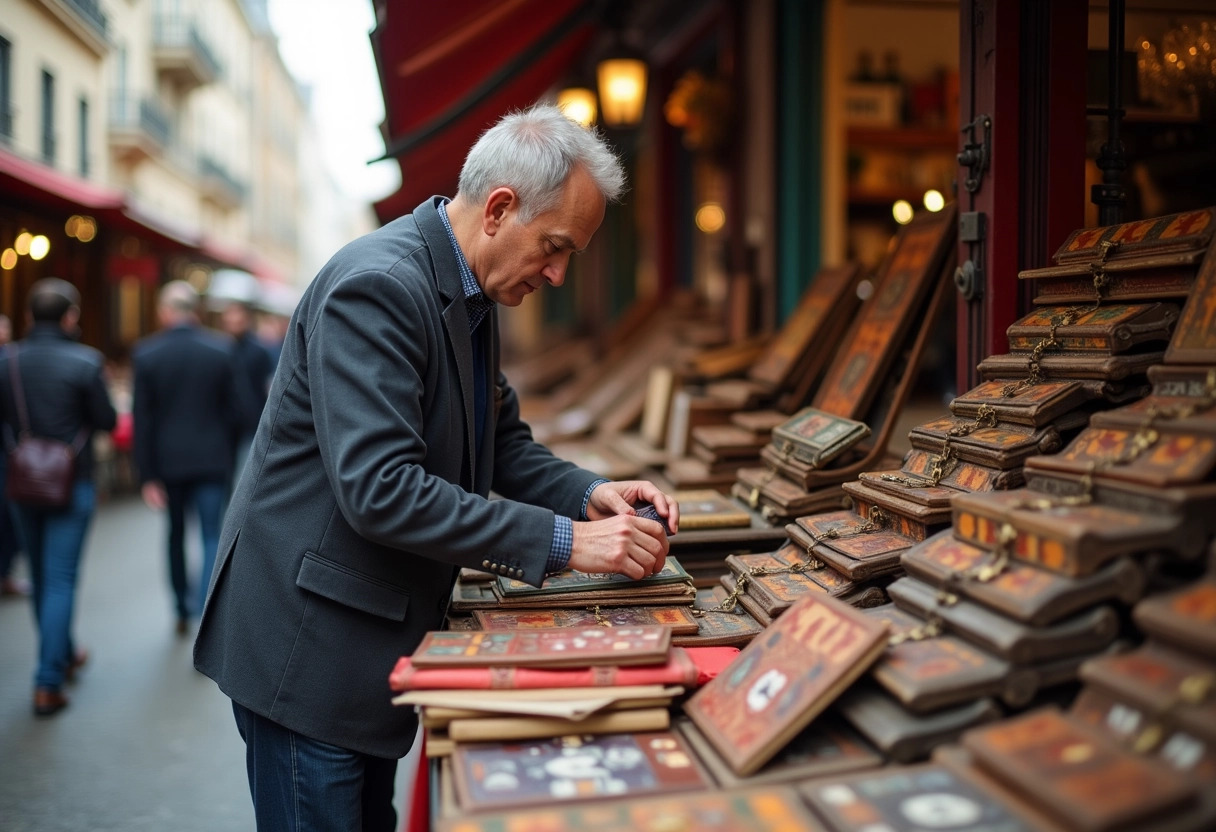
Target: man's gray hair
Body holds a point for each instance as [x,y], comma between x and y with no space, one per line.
[532,152]
[179,296]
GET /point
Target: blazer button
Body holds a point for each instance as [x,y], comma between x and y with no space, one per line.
[485,564]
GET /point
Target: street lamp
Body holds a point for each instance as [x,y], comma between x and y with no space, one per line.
[622,83]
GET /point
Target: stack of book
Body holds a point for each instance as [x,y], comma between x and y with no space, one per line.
[543,683]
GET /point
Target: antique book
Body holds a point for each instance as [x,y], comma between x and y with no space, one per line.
[1085,632]
[1075,772]
[761,809]
[460,622]
[827,746]
[1022,591]
[1147,259]
[572,581]
[1159,736]
[927,671]
[776,587]
[1185,617]
[920,468]
[437,708]
[1112,368]
[1170,687]
[555,647]
[733,627]
[678,619]
[880,328]
[762,488]
[902,735]
[690,409]
[1036,405]
[815,437]
[992,443]
[673,595]
[759,423]
[921,797]
[726,442]
[504,728]
[689,473]
[1074,540]
[1108,329]
[574,767]
[708,509]
[468,596]
[1174,458]
[910,487]
[1194,340]
[749,604]
[855,546]
[687,666]
[909,518]
[784,678]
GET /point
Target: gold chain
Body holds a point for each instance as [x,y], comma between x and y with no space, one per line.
[944,462]
[1192,690]
[931,628]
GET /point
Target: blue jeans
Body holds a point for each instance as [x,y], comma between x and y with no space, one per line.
[304,785]
[54,539]
[207,499]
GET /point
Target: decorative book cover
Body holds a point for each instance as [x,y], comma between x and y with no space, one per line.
[784,678]
[1174,459]
[1083,633]
[1074,771]
[777,589]
[1000,445]
[763,809]
[904,516]
[1071,365]
[1185,617]
[879,329]
[904,736]
[686,666]
[1110,329]
[735,628]
[1021,591]
[678,619]
[816,437]
[558,647]
[1186,231]
[959,476]
[1182,410]
[494,776]
[922,797]
[468,596]
[1072,540]
[1036,405]
[572,580]
[829,746]
[1194,340]
[914,488]
[708,509]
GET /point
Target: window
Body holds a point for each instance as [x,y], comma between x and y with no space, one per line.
[6,101]
[84,136]
[48,117]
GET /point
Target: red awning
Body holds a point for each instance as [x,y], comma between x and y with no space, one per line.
[50,188]
[450,70]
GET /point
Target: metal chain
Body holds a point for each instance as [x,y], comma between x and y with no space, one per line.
[944,462]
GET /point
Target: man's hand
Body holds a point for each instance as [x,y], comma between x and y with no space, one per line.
[154,495]
[616,540]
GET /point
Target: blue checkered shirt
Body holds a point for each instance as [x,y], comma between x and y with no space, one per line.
[478,306]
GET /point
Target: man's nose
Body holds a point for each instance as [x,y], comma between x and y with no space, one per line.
[555,273]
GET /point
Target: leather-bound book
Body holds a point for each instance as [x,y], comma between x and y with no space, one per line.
[775,587]
[907,517]
[1074,540]
[815,437]
[1108,329]
[1036,405]
[826,747]
[708,509]
[1185,617]
[777,497]
[1077,773]
[995,444]
[760,809]
[904,736]
[678,619]
[784,678]
[1112,368]
[1024,592]
[1085,632]
[1194,340]
[734,627]
[573,581]
[1176,458]
[550,647]
[574,767]
[857,547]
[469,596]
[720,442]
[759,423]
[922,797]
[920,467]
[1150,259]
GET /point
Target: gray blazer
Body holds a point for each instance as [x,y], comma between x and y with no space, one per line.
[362,494]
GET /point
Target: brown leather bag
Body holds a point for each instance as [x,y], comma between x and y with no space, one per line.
[41,471]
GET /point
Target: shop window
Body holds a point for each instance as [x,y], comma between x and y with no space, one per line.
[84,136]
[48,117]
[6,101]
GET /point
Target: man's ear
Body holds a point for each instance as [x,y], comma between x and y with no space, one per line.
[499,203]
[70,319]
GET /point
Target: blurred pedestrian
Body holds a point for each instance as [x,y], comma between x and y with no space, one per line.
[187,413]
[56,387]
[10,585]
[254,367]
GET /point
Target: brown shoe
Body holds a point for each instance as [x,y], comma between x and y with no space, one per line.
[48,702]
[79,660]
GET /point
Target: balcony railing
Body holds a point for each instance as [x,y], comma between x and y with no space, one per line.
[219,183]
[90,10]
[139,124]
[180,49]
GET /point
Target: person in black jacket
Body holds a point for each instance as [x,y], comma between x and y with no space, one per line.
[254,368]
[187,412]
[66,399]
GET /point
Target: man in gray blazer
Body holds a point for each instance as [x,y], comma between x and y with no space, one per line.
[387,426]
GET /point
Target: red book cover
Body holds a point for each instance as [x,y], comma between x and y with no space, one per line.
[550,647]
[687,666]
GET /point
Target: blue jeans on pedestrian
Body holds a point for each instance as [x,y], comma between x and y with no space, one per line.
[54,539]
[207,499]
[304,785]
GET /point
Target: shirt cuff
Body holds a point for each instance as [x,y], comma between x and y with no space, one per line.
[563,542]
[587,496]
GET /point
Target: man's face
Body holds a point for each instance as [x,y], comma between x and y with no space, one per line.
[520,258]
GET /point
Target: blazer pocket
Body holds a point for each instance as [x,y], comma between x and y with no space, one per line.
[352,589]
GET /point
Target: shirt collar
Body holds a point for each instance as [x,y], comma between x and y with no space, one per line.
[475,300]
